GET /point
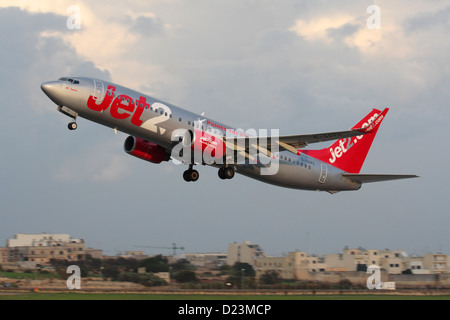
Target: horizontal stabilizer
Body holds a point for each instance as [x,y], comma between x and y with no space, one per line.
[366,178]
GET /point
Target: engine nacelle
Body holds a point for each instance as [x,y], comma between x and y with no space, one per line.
[145,150]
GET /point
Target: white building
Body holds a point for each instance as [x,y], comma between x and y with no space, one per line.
[40,240]
[415,264]
[294,265]
[246,252]
[42,248]
[206,260]
[436,262]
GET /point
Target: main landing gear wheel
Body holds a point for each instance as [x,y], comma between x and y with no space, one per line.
[72,126]
[190,175]
[226,173]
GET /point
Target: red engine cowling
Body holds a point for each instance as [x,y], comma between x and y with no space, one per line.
[145,150]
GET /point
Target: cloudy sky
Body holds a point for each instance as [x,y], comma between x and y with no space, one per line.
[297,66]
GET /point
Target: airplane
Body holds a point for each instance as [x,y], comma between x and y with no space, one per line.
[159,131]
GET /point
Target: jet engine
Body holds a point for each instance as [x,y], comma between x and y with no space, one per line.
[145,150]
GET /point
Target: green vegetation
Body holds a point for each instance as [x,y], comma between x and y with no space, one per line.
[28,275]
[132,270]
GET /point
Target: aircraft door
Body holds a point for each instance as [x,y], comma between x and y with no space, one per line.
[98,91]
[323,173]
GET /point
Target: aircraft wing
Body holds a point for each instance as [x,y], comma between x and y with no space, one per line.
[294,142]
[291,143]
[366,178]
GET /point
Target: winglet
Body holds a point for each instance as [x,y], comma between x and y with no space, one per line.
[373,126]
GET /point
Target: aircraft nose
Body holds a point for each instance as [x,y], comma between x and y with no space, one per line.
[48,87]
[53,90]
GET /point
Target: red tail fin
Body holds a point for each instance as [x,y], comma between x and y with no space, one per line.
[349,154]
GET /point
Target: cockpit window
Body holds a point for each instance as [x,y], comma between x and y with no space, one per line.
[69,80]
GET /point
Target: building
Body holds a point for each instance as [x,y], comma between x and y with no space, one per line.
[295,265]
[40,240]
[246,252]
[300,266]
[94,253]
[41,248]
[206,260]
[415,264]
[436,262]
[394,262]
[360,259]
[3,255]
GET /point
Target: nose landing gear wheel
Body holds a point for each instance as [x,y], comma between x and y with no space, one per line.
[72,126]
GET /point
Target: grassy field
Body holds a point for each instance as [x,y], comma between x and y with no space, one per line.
[125,296]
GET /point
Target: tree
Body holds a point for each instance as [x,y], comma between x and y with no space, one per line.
[181,265]
[111,272]
[185,276]
[270,277]
[243,269]
[242,275]
[155,264]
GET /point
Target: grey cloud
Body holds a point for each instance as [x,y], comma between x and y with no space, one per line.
[146,26]
[29,132]
[425,20]
[14,20]
[344,31]
[37,56]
